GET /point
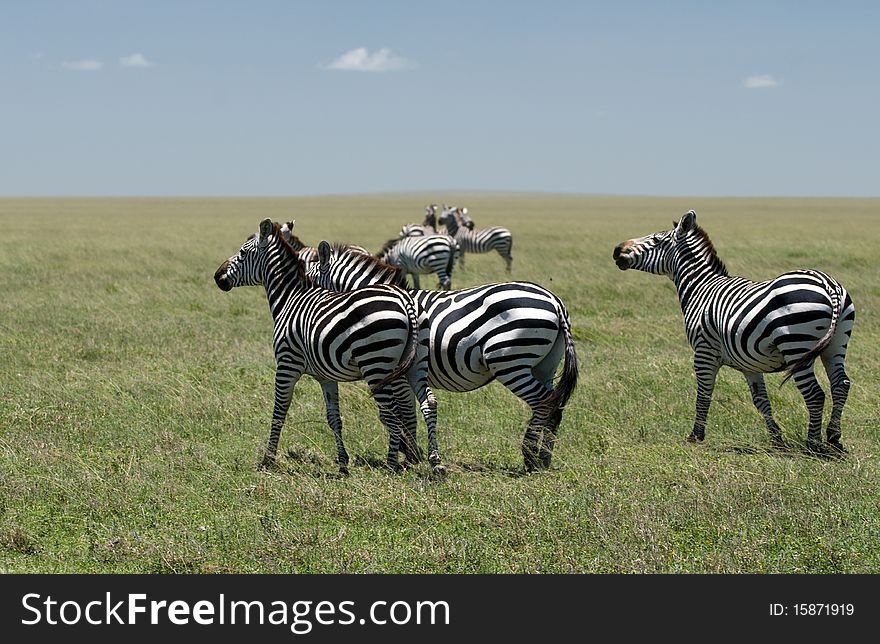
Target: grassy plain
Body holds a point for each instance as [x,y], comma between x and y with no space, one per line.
[136,399]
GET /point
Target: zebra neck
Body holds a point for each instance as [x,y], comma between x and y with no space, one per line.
[282,281]
[692,270]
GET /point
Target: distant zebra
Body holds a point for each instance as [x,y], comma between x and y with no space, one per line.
[480,240]
[373,334]
[308,254]
[756,328]
[427,227]
[421,255]
[515,332]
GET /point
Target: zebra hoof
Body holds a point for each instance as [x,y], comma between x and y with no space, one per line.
[395,468]
[836,448]
[267,463]
[693,438]
[438,472]
[817,447]
[343,470]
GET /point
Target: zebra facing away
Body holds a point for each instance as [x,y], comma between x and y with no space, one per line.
[479,240]
[515,332]
[374,334]
[419,255]
[754,327]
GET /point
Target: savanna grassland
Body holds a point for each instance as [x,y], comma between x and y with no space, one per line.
[135,400]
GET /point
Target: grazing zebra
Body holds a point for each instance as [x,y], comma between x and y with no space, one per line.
[515,332]
[374,334]
[427,227]
[308,254]
[754,327]
[418,255]
[480,240]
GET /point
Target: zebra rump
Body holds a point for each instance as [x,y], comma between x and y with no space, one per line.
[515,332]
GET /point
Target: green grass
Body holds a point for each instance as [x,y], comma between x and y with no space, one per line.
[136,399]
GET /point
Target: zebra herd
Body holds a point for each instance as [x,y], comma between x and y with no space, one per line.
[341,315]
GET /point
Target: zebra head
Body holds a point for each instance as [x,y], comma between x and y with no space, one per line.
[655,253]
[248,265]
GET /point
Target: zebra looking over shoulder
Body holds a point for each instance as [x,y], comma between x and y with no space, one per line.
[480,240]
[754,327]
[373,334]
[515,332]
[420,255]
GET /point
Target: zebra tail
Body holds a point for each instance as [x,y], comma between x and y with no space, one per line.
[836,295]
[568,381]
[413,343]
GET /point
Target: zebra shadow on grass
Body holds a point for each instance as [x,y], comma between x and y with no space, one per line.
[789,449]
[304,461]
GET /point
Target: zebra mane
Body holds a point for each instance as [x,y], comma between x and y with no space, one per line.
[292,252]
[714,260]
[371,262]
[391,243]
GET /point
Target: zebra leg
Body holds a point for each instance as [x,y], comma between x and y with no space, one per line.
[706,365]
[334,419]
[762,403]
[839,392]
[390,417]
[428,406]
[534,393]
[284,383]
[508,259]
[404,409]
[814,397]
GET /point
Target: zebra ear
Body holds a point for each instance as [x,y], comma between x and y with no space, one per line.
[324,255]
[266,228]
[686,224]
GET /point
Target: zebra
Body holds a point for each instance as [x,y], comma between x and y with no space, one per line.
[515,332]
[754,327]
[417,255]
[480,240]
[308,254]
[374,334]
[427,227]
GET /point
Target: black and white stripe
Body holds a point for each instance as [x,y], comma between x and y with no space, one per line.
[421,255]
[754,327]
[373,334]
[515,332]
[479,240]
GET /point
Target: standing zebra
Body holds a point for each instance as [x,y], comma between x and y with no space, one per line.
[374,334]
[754,327]
[417,255]
[480,240]
[515,332]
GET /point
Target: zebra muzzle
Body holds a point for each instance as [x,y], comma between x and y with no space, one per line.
[221,279]
[620,259]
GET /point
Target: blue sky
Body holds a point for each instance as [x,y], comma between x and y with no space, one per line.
[295,98]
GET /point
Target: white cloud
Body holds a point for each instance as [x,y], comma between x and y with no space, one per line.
[135,60]
[86,65]
[760,82]
[361,60]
